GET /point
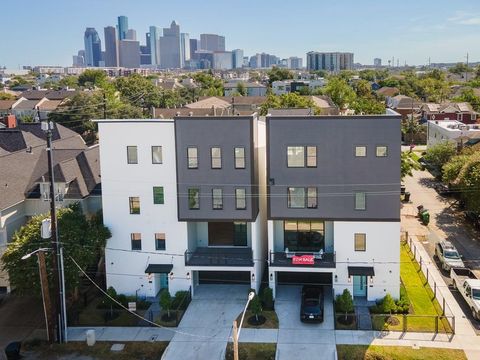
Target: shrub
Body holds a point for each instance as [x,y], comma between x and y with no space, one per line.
[256,306]
[180,300]
[267,298]
[344,303]
[388,305]
[123,300]
[166,302]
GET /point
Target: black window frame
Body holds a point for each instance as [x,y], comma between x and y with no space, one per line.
[355,151]
[242,158]
[159,241]
[289,198]
[163,195]
[190,192]
[364,200]
[304,156]
[192,157]
[237,198]
[364,242]
[307,157]
[381,146]
[131,203]
[133,241]
[214,198]
[161,154]
[212,158]
[128,154]
[308,197]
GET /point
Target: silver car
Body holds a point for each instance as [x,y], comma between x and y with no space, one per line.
[448,255]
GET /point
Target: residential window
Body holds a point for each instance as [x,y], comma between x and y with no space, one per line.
[381,151]
[240,233]
[132,155]
[136,240]
[312,197]
[158,195]
[295,156]
[216,154]
[360,201]
[156,154]
[296,198]
[304,235]
[194,199]
[239,158]
[240,199]
[360,151]
[360,242]
[159,241]
[217,199]
[311,156]
[134,203]
[192,154]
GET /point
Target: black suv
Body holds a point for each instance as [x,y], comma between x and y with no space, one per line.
[311,309]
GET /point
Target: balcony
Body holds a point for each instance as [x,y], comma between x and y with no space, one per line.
[324,260]
[219,256]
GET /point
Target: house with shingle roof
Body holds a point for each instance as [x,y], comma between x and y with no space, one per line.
[461,111]
[24,180]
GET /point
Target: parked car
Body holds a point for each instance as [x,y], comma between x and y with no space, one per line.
[448,255]
[469,286]
[311,309]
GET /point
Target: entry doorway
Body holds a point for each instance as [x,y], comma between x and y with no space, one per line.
[359,286]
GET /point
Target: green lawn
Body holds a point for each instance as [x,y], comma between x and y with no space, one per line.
[421,298]
[271,323]
[91,316]
[252,351]
[101,350]
[372,352]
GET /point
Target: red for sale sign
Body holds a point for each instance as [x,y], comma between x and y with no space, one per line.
[303,260]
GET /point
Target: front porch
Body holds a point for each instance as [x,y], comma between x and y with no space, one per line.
[219,256]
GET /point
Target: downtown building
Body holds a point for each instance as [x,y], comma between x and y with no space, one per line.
[329,61]
[222,200]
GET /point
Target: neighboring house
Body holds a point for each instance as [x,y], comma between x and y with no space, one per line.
[388,91]
[462,112]
[169,84]
[209,103]
[25,108]
[404,105]
[47,107]
[326,105]
[439,131]
[24,190]
[333,208]
[286,86]
[48,94]
[6,106]
[181,198]
[252,88]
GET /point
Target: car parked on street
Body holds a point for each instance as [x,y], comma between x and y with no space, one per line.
[465,281]
[448,255]
[311,309]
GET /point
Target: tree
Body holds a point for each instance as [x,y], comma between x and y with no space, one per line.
[166,301]
[267,298]
[410,128]
[288,101]
[242,89]
[138,91]
[82,239]
[110,299]
[460,69]
[256,306]
[278,74]
[439,154]
[468,181]
[7,96]
[344,303]
[388,305]
[363,88]
[340,92]
[408,164]
[452,169]
[469,96]
[209,84]
[368,106]
[91,78]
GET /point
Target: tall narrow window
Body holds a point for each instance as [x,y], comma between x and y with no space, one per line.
[134,203]
[296,198]
[217,199]
[295,156]
[360,242]
[216,154]
[159,241]
[192,154]
[240,234]
[239,158]
[158,195]
[312,197]
[360,201]
[132,156]
[381,151]
[136,241]
[194,199]
[240,199]
[311,156]
[156,154]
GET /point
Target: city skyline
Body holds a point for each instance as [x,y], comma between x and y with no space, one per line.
[444,32]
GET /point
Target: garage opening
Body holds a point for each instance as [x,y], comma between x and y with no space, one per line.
[224,277]
[300,278]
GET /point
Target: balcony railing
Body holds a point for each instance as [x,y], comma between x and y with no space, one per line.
[320,260]
[211,256]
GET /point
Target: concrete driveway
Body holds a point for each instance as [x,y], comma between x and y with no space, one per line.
[312,341]
[206,327]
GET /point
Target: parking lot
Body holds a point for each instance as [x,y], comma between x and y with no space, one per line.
[447,222]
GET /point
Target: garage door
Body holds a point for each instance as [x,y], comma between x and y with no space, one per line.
[298,278]
[224,277]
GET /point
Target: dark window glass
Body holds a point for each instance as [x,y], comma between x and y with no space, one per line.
[159,241]
[296,198]
[156,154]
[132,156]
[194,199]
[158,196]
[240,233]
[304,235]
[136,240]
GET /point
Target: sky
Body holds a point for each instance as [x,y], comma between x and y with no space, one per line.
[49,32]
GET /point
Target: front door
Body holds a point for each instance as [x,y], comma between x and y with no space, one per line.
[359,285]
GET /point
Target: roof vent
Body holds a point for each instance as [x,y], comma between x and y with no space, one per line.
[190,113]
[177,113]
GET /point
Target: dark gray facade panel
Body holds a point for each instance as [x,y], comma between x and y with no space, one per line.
[338,174]
[226,133]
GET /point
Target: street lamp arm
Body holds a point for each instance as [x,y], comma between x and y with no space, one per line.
[251,295]
[25,257]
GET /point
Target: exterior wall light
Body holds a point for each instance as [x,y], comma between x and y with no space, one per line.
[171,275]
[271,276]
[188,275]
[336,278]
[253,277]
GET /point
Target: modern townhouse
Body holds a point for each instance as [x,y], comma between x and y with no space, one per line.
[333,202]
[181,198]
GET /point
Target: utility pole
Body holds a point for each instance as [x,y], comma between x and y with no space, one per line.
[58,287]
[235,341]
[104,105]
[466,70]
[47,304]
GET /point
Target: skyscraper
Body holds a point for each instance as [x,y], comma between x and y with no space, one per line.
[185,48]
[129,51]
[294,62]
[212,42]
[377,62]
[131,34]
[193,47]
[122,27]
[111,46]
[237,58]
[154,44]
[330,61]
[93,47]
[170,47]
